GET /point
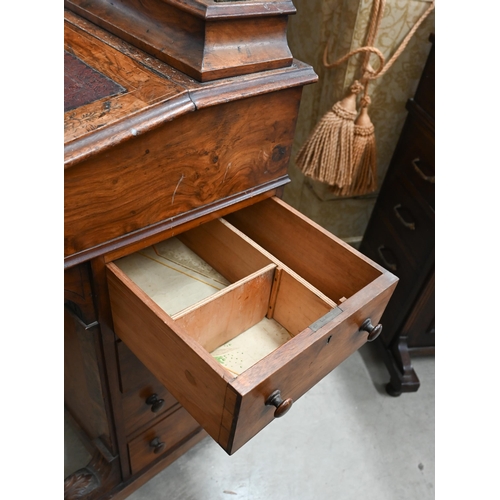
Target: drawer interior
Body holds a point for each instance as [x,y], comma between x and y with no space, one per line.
[281,304]
[232,297]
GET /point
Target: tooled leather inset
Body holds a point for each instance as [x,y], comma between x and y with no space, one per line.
[83,84]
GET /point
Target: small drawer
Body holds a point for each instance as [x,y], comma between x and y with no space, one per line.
[280,303]
[134,376]
[141,406]
[145,398]
[174,429]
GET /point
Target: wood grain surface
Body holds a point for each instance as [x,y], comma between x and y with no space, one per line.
[185,164]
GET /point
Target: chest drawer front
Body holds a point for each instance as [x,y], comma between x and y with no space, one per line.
[408,218]
[174,429]
[282,269]
[414,160]
[381,245]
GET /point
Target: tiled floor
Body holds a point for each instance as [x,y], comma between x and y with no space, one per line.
[346,439]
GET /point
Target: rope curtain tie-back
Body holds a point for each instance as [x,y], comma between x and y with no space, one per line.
[341,150]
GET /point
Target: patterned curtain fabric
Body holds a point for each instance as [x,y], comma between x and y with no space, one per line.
[342,24]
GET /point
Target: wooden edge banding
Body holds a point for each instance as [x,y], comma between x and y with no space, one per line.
[232,405]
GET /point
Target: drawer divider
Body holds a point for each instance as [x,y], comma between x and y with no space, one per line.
[274,292]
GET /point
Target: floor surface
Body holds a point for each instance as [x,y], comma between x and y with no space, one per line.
[346,439]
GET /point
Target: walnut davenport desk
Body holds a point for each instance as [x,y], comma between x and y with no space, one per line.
[179,121]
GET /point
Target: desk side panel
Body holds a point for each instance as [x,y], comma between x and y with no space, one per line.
[186,163]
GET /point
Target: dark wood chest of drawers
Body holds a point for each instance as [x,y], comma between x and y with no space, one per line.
[400,236]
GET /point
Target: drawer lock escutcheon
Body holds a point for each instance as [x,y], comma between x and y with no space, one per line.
[373,331]
[281,406]
[333,313]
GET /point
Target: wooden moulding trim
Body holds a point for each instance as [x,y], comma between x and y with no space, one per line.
[265,368]
[230,89]
[175,225]
[126,129]
[163,34]
[208,9]
[198,98]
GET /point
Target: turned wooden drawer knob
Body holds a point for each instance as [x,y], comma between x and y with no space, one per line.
[373,331]
[281,406]
[157,445]
[156,404]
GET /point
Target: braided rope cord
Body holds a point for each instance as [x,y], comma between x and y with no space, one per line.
[368,73]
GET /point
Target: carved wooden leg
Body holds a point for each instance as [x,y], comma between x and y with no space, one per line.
[93,480]
[398,362]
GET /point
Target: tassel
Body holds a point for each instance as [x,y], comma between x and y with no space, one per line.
[364,153]
[327,154]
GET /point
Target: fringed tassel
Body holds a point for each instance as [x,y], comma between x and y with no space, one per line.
[327,154]
[364,153]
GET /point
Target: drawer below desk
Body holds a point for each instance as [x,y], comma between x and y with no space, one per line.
[277,267]
[161,438]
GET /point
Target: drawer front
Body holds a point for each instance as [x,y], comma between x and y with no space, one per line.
[414,160]
[419,328]
[383,247]
[425,94]
[144,398]
[173,430]
[143,405]
[303,272]
[408,218]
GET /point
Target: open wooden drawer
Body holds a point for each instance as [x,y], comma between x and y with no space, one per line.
[268,266]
